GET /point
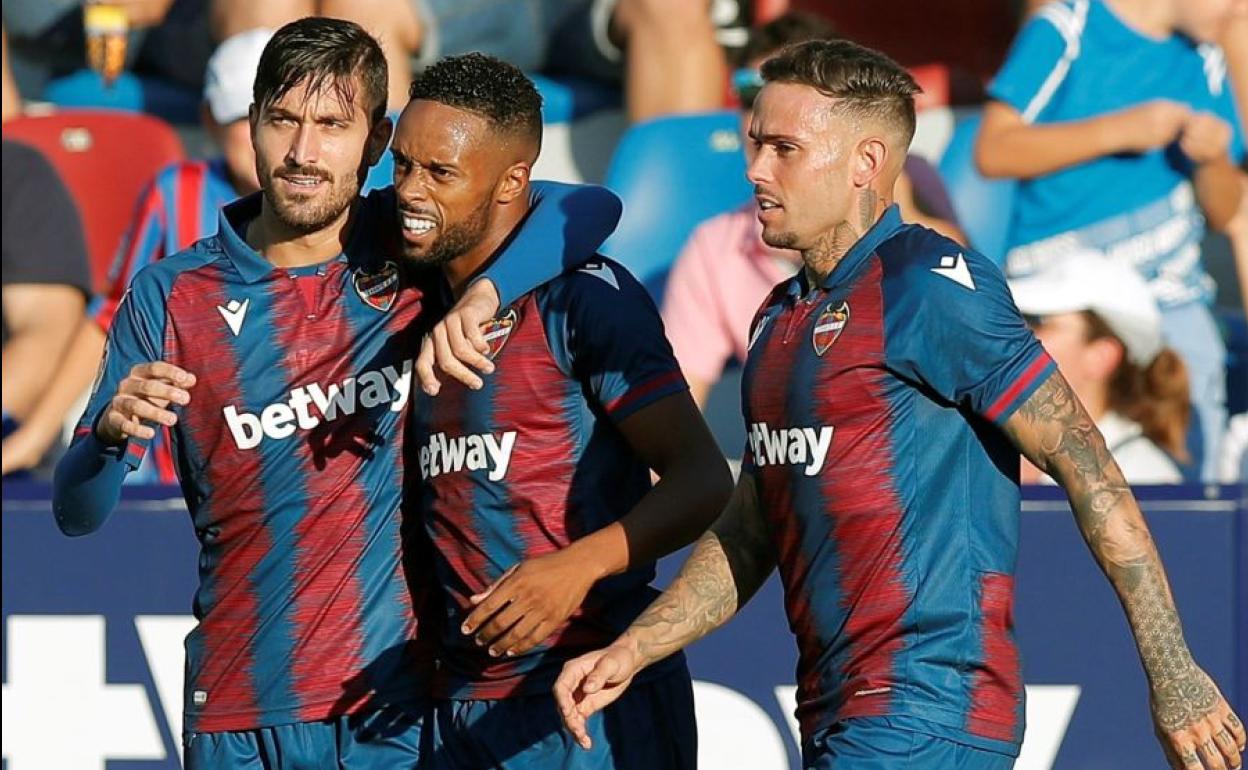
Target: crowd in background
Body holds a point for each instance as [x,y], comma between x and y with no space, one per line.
[1117,117]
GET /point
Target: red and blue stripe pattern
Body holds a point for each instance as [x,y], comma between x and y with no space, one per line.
[583,352]
[180,206]
[896,541]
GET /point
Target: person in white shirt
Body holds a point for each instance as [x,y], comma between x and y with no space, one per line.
[1099,322]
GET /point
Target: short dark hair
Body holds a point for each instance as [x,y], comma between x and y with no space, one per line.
[323,52]
[786,29]
[488,87]
[865,82]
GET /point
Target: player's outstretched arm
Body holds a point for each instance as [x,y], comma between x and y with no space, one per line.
[530,601]
[1194,723]
[728,565]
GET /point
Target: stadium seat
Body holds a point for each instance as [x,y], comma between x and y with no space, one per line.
[566,98]
[85,89]
[105,158]
[672,173]
[983,205]
[1235,331]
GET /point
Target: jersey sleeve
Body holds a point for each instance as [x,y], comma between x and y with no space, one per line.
[690,311]
[1036,63]
[952,326]
[142,245]
[605,330]
[88,478]
[563,230]
[1222,97]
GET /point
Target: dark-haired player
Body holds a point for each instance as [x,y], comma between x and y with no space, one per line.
[280,352]
[889,389]
[537,493]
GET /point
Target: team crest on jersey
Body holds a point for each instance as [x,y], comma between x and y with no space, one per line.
[379,289]
[498,330]
[829,325]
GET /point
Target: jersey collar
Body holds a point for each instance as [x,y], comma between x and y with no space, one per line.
[253,267]
[884,228]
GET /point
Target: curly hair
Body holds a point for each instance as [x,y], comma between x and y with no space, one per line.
[488,87]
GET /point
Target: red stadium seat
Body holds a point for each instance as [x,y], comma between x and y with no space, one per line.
[105,159]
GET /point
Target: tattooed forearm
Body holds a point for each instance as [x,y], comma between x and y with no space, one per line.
[727,566]
[1055,432]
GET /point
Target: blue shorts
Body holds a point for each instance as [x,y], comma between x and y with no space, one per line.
[878,743]
[389,739]
[651,727]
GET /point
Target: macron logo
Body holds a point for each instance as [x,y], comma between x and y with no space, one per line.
[477,452]
[234,312]
[307,406]
[790,446]
[955,269]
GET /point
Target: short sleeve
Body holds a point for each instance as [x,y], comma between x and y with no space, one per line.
[1222,97]
[135,337]
[702,343]
[605,329]
[951,324]
[1036,61]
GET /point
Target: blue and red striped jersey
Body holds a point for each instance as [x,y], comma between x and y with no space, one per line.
[534,460]
[873,403]
[290,457]
[178,207]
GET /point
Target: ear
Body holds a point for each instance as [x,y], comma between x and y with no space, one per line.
[870,157]
[378,140]
[514,183]
[1103,356]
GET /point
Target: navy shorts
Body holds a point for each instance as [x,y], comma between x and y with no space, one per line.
[651,727]
[880,743]
[388,739]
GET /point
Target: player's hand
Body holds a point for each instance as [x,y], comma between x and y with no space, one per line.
[145,397]
[592,682]
[458,343]
[528,603]
[1150,125]
[1196,727]
[1205,138]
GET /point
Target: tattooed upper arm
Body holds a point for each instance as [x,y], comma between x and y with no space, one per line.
[1055,432]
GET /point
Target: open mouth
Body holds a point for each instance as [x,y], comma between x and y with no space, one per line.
[417,227]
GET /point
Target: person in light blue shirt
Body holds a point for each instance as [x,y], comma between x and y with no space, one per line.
[1118,118]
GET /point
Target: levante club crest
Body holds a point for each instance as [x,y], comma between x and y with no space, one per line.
[829,325]
[379,289]
[498,330]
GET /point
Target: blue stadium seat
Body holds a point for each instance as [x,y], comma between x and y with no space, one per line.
[566,98]
[672,174]
[1235,332]
[983,205]
[129,92]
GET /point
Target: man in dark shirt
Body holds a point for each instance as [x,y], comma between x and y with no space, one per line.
[46,280]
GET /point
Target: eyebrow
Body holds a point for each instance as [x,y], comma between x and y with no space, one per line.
[402,157]
[764,138]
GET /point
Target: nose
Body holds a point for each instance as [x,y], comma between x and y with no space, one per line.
[757,169]
[411,185]
[304,147]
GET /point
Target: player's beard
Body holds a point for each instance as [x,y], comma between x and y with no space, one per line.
[455,240]
[308,214]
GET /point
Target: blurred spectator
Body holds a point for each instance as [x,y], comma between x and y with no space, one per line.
[1234,465]
[167,39]
[725,270]
[1099,322]
[1117,119]
[665,50]
[12,97]
[46,280]
[1235,44]
[177,208]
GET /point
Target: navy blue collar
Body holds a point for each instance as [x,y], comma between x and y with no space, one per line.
[253,267]
[883,229]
